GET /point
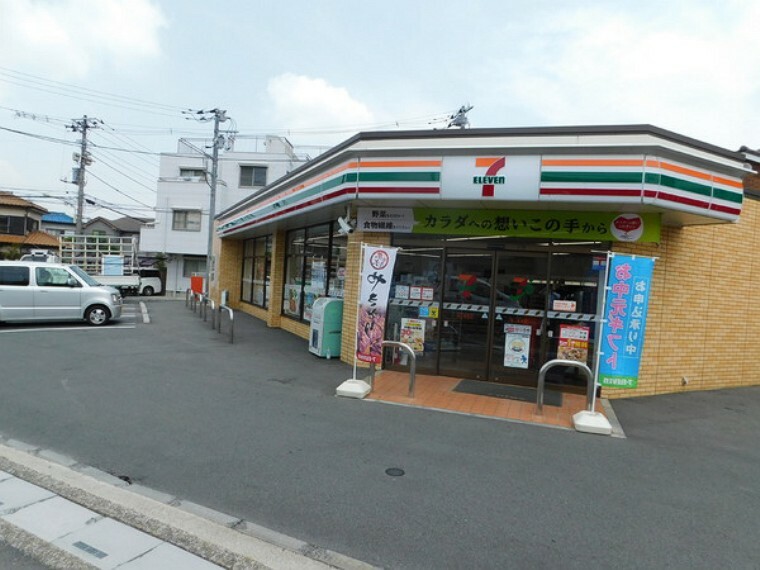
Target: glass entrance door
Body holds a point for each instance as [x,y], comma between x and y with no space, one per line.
[465,315]
[493,312]
[519,318]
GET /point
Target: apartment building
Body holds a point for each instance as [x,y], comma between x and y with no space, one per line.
[180,230]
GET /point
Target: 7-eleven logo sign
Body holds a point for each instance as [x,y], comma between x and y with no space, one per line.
[490,178]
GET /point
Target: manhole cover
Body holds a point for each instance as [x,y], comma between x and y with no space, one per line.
[394,472]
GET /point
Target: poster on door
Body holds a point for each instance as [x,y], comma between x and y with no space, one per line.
[573,343]
[517,345]
[413,334]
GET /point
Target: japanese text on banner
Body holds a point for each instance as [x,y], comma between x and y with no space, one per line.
[377,272]
[625,311]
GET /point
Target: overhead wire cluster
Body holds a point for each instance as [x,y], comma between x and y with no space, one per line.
[120,160]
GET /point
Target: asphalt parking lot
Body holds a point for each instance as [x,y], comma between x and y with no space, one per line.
[254,429]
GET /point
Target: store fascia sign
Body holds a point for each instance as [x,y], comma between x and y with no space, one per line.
[586,226]
[472,177]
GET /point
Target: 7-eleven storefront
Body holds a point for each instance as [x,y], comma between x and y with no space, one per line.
[502,238]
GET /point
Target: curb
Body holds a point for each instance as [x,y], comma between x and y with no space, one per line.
[219,538]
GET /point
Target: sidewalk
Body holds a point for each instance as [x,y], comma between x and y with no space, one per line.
[438,392]
[71,516]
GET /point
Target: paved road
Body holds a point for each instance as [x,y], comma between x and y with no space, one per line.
[253,429]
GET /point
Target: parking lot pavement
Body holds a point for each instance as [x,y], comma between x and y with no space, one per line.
[252,431]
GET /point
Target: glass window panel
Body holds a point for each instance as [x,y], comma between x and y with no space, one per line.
[256,267]
[337,274]
[417,271]
[253,176]
[186,220]
[261,247]
[293,283]
[245,290]
[295,242]
[316,251]
[191,266]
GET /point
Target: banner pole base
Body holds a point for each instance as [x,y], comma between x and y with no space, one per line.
[353,388]
[592,422]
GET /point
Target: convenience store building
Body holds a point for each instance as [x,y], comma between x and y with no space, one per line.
[504,230]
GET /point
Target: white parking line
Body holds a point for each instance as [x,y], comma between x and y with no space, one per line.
[83,327]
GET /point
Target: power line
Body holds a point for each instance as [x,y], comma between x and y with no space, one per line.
[105,163]
[30,81]
[137,169]
[40,137]
[112,187]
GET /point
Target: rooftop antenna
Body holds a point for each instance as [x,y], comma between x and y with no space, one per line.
[459,119]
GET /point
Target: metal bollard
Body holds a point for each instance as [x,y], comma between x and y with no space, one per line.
[561,362]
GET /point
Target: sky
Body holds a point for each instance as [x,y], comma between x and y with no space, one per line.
[319,72]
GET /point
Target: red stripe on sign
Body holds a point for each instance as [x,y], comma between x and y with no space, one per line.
[725,209]
[295,208]
[396,190]
[588,192]
[683,200]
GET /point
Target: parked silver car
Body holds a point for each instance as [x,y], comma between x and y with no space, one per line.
[33,291]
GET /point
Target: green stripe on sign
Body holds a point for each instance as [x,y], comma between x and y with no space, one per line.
[685,185]
[594,177]
[727,195]
[394,177]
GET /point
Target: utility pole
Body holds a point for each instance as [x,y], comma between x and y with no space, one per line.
[218,116]
[82,126]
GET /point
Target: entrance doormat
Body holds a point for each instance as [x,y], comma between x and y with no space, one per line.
[551,397]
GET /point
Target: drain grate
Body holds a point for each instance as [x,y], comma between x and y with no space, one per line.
[90,549]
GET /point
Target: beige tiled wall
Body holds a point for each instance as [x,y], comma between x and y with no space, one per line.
[704,309]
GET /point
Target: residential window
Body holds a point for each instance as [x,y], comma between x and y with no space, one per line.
[253,176]
[192,173]
[186,220]
[314,268]
[193,266]
[257,261]
[13,225]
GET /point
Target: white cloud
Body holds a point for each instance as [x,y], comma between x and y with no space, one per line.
[691,69]
[65,38]
[307,103]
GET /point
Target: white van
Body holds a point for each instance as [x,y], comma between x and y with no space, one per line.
[33,291]
[150,281]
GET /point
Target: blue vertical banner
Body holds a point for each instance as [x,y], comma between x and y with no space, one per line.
[625,312]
